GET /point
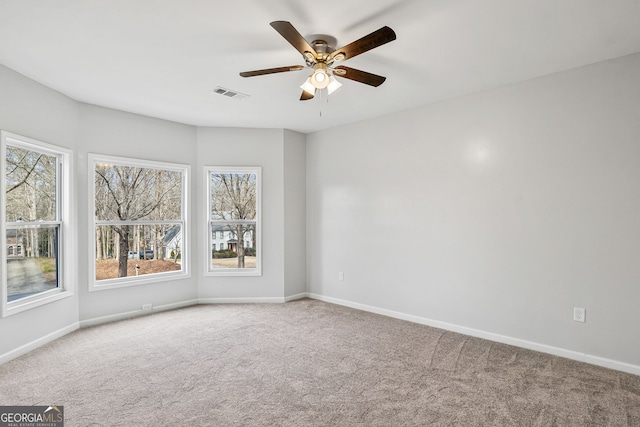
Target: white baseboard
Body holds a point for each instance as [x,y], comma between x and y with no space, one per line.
[543,348]
[174,305]
[556,351]
[13,354]
[295,297]
[157,309]
[136,313]
[268,300]
[612,364]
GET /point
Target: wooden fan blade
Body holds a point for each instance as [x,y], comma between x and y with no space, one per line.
[306,95]
[377,38]
[292,35]
[358,76]
[271,71]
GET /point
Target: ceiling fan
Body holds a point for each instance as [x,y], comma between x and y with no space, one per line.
[321,58]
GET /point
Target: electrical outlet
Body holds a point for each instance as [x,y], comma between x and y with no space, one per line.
[579,314]
[341,275]
[146,307]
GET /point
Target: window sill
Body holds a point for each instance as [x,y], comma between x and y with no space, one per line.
[224,272]
[136,281]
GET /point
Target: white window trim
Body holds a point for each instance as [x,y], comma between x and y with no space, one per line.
[67,276]
[122,282]
[257,271]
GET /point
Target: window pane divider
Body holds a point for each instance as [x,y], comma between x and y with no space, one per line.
[139,222]
[33,224]
[232,221]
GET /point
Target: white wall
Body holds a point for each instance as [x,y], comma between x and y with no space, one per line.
[246,147]
[116,133]
[30,109]
[498,212]
[295,240]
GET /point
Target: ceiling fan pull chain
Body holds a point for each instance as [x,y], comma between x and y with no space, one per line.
[324,98]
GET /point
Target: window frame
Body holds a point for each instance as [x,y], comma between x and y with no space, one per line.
[64,223]
[121,282]
[208,270]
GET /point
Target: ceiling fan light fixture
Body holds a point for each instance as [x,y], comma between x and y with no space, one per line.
[320,78]
[333,85]
[308,87]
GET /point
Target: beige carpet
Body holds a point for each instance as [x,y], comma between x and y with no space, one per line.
[308,363]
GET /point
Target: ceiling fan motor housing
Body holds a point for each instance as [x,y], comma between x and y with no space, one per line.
[322,48]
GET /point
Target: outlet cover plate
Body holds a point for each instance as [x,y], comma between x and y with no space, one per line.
[579,314]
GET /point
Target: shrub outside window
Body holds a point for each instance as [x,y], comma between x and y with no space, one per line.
[35,227]
[233,211]
[138,227]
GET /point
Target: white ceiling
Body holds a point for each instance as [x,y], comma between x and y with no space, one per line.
[163,58]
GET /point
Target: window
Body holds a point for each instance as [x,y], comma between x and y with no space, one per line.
[233,208]
[138,228]
[35,223]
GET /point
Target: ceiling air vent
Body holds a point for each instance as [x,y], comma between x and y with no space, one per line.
[230,93]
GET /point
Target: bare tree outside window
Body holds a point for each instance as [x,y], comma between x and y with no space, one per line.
[135,209]
[32,223]
[234,218]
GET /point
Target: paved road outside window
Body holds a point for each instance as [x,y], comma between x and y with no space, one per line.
[24,278]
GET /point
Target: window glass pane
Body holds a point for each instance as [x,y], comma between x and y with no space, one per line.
[30,185]
[32,261]
[136,250]
[237,243]
[33,266]
[233,196]
[137,193]
[137,222]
